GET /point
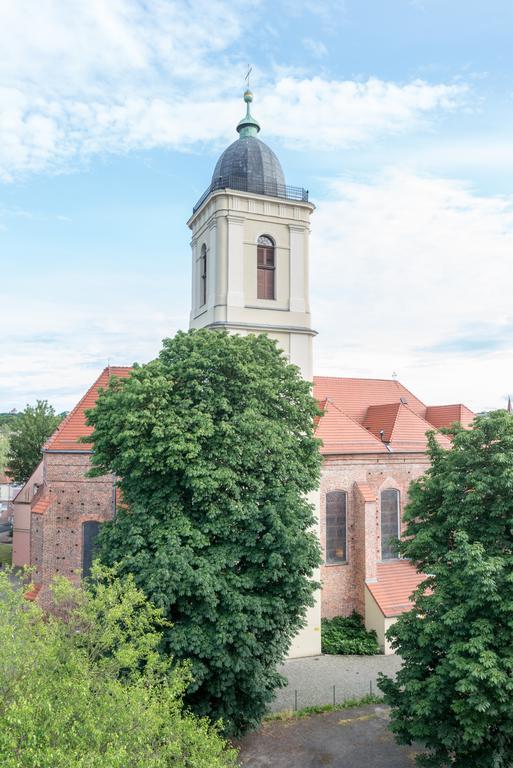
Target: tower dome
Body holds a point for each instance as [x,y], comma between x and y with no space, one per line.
[248,164]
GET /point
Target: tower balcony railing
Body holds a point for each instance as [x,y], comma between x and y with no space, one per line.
[242,184]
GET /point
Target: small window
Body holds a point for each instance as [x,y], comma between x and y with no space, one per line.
[390,523]
[203,275]
[336,520]
[90,531]
[265,267]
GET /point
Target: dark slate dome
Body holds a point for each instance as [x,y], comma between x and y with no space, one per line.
[248,164]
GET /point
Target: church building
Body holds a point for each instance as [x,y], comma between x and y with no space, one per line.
[250,274]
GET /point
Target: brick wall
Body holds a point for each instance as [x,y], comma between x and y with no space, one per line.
[343,585]
[74,499]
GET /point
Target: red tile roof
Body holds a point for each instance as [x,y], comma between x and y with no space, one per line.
[73,427]
[381,419]
[341,434]
[375,405]
[40,507]
[366,492]
[403,430]
[353,396]
[445,415]
[395,583]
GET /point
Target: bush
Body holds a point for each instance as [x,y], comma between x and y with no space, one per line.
[347,635]
[84,685]
[5,554]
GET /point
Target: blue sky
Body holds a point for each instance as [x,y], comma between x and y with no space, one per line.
[396,116]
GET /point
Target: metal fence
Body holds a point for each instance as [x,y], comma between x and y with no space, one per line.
[243,184]
[297,698]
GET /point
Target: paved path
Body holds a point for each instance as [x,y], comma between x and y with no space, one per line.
[313,678]
[353,738]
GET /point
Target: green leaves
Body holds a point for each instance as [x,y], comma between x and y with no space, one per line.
[84,684]
[455,689]
[347,635]
[30,430]
[214,446]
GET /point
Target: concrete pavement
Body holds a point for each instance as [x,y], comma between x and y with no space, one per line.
[313,679]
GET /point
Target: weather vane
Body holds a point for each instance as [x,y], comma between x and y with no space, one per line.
[248,74]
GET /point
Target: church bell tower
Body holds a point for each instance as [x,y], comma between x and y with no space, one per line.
[250,238]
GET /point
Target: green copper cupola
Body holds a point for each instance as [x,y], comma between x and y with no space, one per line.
[248,126]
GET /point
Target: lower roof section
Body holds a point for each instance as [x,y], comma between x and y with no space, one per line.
[394,585]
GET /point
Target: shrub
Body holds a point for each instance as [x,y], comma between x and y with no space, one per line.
[84,685]
[347,635]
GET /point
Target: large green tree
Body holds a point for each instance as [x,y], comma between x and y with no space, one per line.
[83,685]
[454,693]
[30,431]
[214,445]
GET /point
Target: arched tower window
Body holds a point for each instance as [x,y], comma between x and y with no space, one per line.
[390,522]
[265,267]
[336,527]
[203,275]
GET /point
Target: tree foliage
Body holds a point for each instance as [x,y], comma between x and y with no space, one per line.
[30,431]
[7,421]
[214,444]
[85,685]
[454,692]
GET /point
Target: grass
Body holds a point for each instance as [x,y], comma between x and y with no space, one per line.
[290,714]
[5,554]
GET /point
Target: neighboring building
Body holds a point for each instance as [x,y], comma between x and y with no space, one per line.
[250,267]
[8,490]
[22,504]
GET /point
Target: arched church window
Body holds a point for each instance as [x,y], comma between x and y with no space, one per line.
[336,527]
[265,267]
[90,531]
[390,522]
[203,275]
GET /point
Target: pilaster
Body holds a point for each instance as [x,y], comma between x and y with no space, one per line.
[235,251]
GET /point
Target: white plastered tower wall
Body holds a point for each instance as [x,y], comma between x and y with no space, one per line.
[226,226]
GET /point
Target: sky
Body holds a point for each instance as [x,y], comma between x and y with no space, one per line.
[396,116]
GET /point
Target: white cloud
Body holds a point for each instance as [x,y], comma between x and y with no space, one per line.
[57,347]
[83,78]
[326,114]
[413,274]
[409,274]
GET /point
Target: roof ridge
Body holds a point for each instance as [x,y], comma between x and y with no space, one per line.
[432,426]
[70,415]
[399,404]
[450,405]
[364,429]
[358,378]
[398,383]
